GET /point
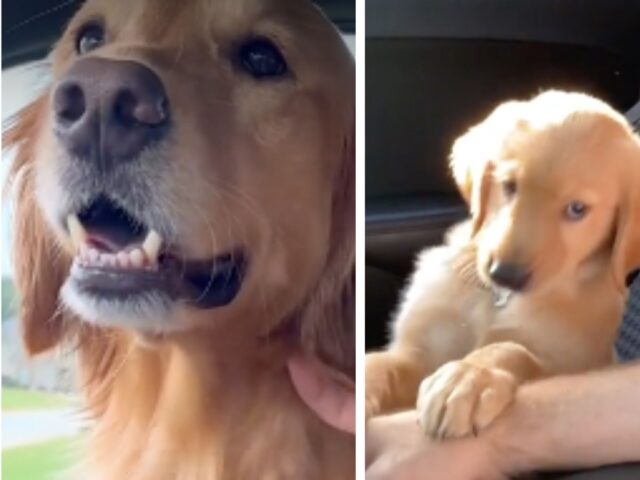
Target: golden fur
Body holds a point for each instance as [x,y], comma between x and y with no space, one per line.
[454,348]
[269,166]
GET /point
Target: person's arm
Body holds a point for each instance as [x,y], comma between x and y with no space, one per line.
[398,449]
[576,421]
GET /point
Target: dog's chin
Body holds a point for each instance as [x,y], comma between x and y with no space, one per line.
[147,312]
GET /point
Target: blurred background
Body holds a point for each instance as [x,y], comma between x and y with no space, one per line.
[40,419]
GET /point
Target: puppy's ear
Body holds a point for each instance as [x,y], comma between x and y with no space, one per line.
[626,244]
[328,320]
[39,266]
[472,155]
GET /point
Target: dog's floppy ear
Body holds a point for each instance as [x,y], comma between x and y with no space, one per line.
[39,267]
[626,244]
[328,320]
[472,155]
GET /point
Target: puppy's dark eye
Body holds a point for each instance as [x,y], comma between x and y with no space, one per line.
[575,211]
[89,38]
[509,188]
[261,59]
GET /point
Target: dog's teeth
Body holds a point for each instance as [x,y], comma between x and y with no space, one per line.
[123,260]
[104,259]
[93,256]
[151,246]
[136,258]
[76,232]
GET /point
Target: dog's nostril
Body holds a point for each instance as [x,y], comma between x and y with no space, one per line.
[152,113]
[129,110]
[123,108]
[69,102]
[509,275]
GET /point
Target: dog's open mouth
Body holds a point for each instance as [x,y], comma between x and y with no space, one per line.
[117,257]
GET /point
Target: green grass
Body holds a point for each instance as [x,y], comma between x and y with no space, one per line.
[9,299]
[42,461]
[15,399]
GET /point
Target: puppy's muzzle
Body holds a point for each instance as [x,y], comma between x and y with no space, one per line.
[509,275]
[109,111]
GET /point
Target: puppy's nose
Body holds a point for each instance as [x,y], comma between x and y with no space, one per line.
[509,275]
[109,110]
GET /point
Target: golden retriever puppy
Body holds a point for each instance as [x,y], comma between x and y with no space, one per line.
[184,212]
[534,284]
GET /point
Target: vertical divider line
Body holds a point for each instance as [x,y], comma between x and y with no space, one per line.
[360,236]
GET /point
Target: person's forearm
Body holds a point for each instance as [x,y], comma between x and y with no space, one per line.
[572,422]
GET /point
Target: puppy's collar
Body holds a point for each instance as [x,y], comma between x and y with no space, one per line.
[501,296]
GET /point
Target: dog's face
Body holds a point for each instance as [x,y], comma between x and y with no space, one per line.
[187,159]
[553,188]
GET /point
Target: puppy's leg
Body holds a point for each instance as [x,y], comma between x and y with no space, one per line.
[429,330]
[465,396]
[392,378]
[426,336]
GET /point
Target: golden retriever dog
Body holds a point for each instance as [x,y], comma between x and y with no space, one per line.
[534,284]
[184,205]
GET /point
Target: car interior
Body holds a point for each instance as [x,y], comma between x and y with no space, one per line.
[436,67]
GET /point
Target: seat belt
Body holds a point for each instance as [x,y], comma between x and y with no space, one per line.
[633,116]
[628,343]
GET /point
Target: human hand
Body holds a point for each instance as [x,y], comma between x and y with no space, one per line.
[328,393]
[397,449]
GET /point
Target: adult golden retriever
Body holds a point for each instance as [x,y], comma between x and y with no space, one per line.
[185,213]
[534,284]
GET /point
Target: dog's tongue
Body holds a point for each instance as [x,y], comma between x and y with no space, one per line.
[326,392]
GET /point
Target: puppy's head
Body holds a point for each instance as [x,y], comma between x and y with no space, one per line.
[186,168]
[553,186]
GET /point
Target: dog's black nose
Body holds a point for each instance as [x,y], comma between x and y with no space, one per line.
[109,110]
[509,275]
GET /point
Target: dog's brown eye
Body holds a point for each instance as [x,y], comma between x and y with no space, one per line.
[89,38]
[261,59]
[509,188]
[575,211]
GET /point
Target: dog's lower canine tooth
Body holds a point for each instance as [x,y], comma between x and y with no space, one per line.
[151,246]
[76,232]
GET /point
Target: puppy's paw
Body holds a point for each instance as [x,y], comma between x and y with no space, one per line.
[376,384]
[461,398]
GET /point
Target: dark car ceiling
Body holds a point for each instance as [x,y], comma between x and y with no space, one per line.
[613,24]
[29,27]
